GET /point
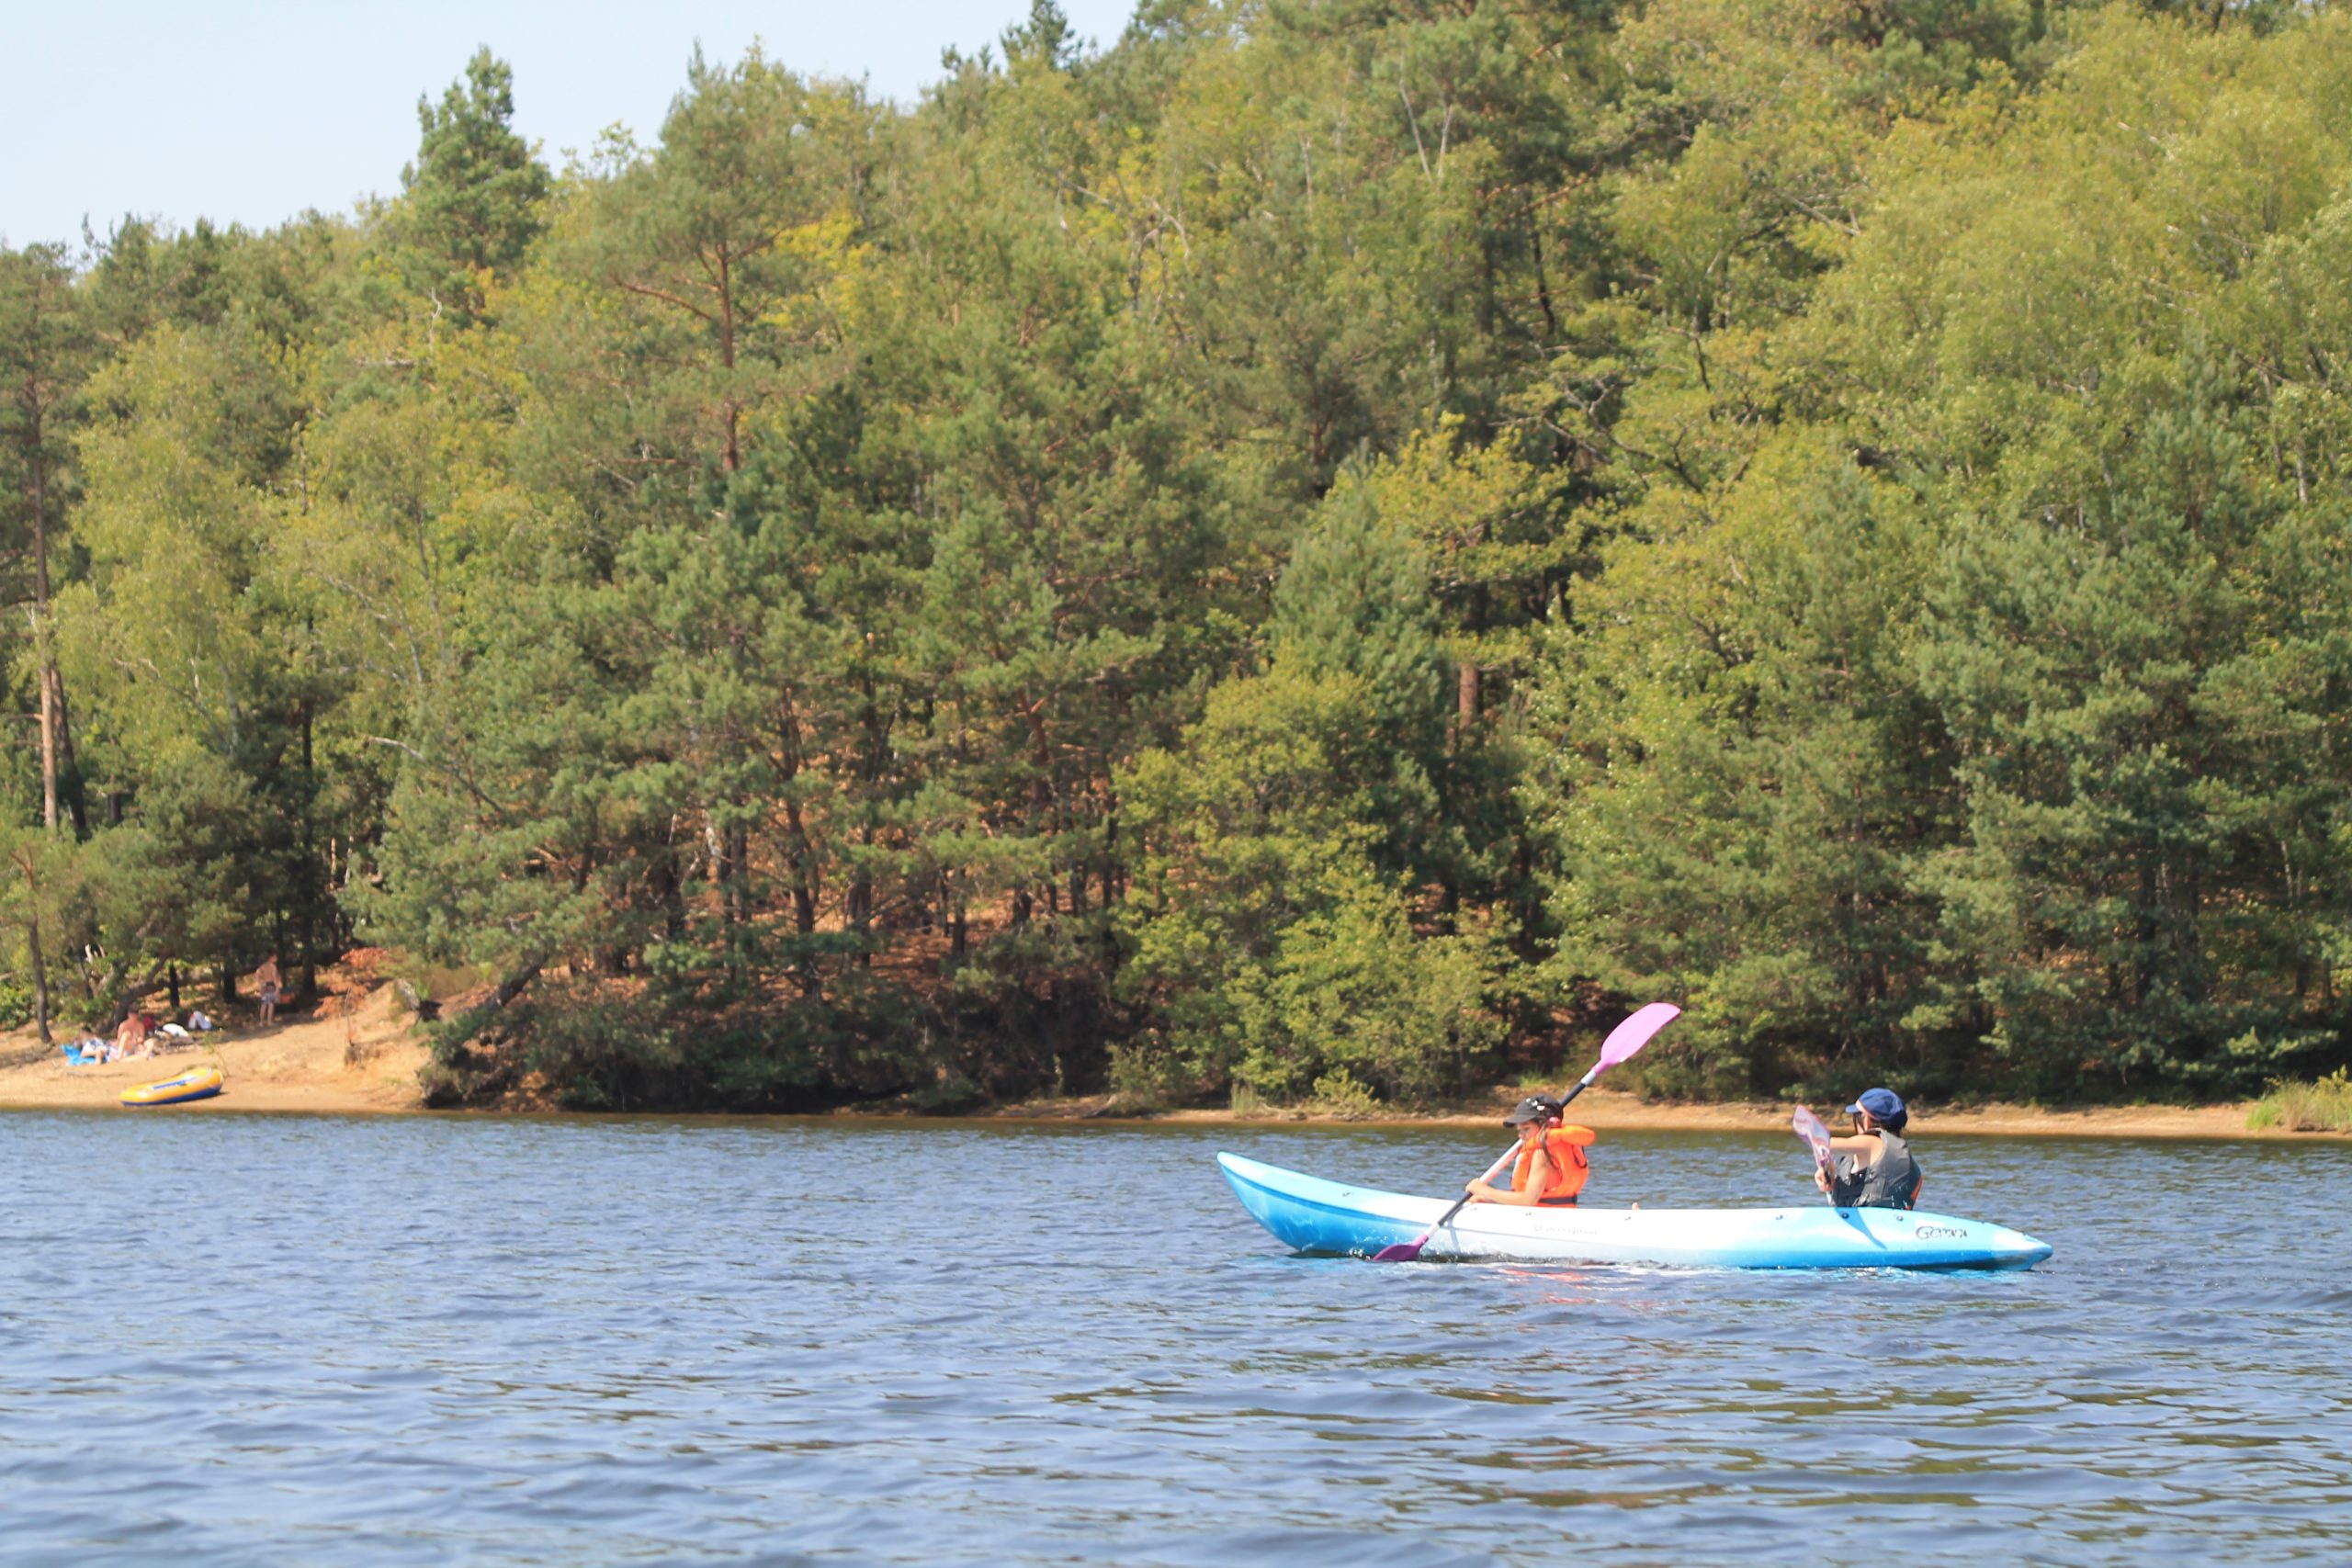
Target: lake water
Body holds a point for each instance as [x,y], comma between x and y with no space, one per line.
[265,1340]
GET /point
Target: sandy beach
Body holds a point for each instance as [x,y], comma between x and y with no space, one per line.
[351,1056]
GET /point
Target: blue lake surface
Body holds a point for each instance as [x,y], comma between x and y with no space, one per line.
[297,1340]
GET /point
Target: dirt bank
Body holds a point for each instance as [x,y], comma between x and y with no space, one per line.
[362,1056]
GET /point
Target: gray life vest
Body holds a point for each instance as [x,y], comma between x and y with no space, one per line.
[1892,1183]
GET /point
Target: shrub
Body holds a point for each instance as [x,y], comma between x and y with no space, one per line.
[2323,1105]
[1341,1093]
[15,1004]
[1146,1075]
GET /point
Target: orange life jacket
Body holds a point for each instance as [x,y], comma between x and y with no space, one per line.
[1564,1147]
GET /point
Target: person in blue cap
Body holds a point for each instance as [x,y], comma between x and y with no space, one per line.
[1875,1169]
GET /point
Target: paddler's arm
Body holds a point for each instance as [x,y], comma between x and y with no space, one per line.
[1866,1153]
[1539,1177]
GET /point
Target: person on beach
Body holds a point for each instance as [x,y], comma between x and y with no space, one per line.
[131,1039]
[1875,1169]
[1552,1162]
[265,982]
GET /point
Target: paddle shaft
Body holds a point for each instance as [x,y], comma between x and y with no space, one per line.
[1582,1084]
[1492,1172]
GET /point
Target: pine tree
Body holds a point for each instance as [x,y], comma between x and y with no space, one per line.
[474,196]
[46,354]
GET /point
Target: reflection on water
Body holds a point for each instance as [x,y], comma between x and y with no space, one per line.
[278,1340]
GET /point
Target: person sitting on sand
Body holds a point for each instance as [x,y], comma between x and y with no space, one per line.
[131,1039]
[1552,1163]
[1875,1169]
[198,1023]
[265,981]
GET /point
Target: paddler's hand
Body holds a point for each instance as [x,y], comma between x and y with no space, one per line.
[1479,1192]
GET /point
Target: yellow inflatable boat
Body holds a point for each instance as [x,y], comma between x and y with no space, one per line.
[197,1083]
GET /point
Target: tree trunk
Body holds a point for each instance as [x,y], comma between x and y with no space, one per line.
[739,874]
[32,940]
[805,878]
[49,689]
[47,734]
[731,456]
[75,801]
[40,976]
[513,985]
[669,893]
[861,911]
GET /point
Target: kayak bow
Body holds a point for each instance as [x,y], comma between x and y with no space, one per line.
[1309,1214]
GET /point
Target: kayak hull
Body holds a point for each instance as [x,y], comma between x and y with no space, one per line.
[200,1083]
[1309,1214]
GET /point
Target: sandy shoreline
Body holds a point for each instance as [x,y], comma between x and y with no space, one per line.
[1613,1112]
[363,1059]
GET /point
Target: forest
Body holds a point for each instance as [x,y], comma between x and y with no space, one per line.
[1310,553]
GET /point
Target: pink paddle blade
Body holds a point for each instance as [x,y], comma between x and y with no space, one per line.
[1809,1129]
[1635,1032]
[1400,1252]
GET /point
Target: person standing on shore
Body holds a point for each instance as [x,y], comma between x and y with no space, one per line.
[265,981]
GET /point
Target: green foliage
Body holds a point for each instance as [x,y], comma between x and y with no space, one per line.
[475,193]
[1267,936]
[1338,1094]
[1298,557]
[2321,1106]
[2012,752]
[16,1003]
[1355,602]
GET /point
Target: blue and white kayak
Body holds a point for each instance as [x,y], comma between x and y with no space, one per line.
[1309,1214]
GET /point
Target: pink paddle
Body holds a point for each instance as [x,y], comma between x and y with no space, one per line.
[1809,1129]
[1624,1040]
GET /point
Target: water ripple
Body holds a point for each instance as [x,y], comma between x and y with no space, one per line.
[456,1341]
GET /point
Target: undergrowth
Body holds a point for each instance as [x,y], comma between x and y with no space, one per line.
[2323,1105]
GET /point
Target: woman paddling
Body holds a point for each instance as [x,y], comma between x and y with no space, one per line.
[1552,1165]
[1875,1169]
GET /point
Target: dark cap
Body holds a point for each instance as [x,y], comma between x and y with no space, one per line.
[1882,1103]
[1534,1108]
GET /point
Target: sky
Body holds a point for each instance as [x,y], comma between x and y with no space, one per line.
[251,111]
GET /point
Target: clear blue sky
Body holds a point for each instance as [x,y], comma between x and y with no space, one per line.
[249,111]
